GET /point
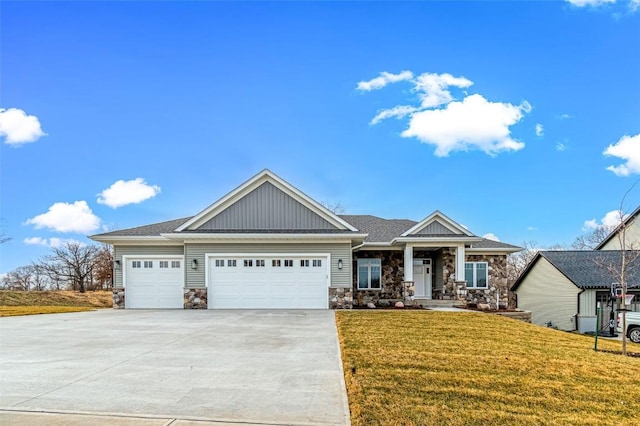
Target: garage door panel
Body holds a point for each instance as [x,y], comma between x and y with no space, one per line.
[149,286]
[275,285]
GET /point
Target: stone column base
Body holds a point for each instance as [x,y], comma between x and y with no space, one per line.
[118,298]
[195,298]
[340,298]
[408,291]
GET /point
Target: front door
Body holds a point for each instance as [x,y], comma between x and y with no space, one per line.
[422,278]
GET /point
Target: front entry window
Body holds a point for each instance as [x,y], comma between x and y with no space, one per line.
[369,274]
[476,274]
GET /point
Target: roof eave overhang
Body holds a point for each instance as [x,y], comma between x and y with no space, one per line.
[133,240]
[493,250]
[261,236]
[436,240]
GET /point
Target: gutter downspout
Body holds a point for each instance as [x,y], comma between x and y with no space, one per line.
[575,323]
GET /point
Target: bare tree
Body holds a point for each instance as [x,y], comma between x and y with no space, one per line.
[73,262]
[518,262]
[333,207]
[592,239]
[103,267]
[19,279]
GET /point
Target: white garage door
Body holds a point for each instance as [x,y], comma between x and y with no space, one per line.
[154,283]
[268,282]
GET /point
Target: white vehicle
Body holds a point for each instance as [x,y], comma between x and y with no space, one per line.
[633,326]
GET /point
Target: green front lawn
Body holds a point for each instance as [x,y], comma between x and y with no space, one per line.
[444,368]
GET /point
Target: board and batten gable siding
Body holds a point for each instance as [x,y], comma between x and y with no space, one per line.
[549,295]
[267,208]
[631,236]
[435,228]
[119,251]
[339,277]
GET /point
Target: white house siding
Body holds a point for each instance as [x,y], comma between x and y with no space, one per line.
[120,251]
[339,277]
[549,295]
[631,236]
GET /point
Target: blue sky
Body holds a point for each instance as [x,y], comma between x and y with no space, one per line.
[499,114]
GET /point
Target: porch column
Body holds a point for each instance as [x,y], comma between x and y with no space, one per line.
[460,262]
[408,263]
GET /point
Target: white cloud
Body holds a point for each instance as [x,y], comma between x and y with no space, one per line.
[433,90]
[561,147]
[565,117]
[531,228]
[66,217]
[627,148]
[474,123]
[539,130]
[583,3]
[19,128]
[491,236]
[609,221]
[384,79]
[123,192]
[398,112]
[634,5]
[50,242]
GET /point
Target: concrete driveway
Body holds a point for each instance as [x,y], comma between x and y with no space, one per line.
[270,367]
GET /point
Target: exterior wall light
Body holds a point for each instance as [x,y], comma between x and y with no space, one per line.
[117,265]
[194,264]
[339,263]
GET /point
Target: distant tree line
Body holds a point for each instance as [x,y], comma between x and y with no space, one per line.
[70,266]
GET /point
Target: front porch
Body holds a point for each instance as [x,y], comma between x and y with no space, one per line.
[384,277]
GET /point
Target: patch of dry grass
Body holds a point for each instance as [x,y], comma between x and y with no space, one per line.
[442,368]
[96,299]
[11,311]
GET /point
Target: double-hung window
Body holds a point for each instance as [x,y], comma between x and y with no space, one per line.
[369,274]
[476,274]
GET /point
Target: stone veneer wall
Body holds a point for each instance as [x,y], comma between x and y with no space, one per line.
[392,276]
[497,265]
[195,298]
[118,298]
[340,298]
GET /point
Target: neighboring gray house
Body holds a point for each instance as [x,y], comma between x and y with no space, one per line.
[631,234]
[563,287]
[266,244]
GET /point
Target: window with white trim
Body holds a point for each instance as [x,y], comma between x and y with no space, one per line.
[175,263]
[369,271]
[260,263]
[317,263]
[288,263]
[231,263]
[276,263]
[164,264]
[148,263]
[304,263]
[219,263]
[248,263]
[476,274]
[136,264]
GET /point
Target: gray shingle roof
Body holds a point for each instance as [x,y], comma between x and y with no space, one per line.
[153,230]
[589,269]
[380,230]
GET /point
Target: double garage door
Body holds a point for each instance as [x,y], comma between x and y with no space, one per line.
[268,282]
[233,281]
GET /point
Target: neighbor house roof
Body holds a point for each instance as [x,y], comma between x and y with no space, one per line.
[613,233]
[588,269]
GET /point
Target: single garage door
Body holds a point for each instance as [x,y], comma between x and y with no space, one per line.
[154,283]
[268,282]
